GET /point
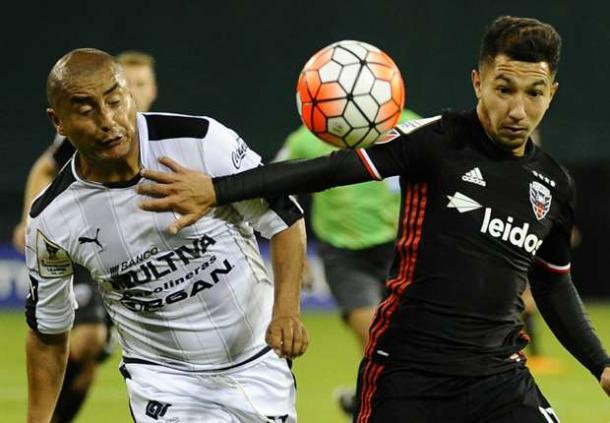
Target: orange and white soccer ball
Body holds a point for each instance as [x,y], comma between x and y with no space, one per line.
[349,93]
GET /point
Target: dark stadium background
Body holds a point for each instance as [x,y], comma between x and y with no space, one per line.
[238,61]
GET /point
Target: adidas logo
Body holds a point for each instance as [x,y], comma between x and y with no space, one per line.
[475,176]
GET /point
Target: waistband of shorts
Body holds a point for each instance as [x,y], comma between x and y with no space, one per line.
[262,352]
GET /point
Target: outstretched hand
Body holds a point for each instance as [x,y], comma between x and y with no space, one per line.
[287,336]
[184,191]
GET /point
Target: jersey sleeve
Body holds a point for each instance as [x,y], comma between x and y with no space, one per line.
[226,153]
[50,303]
[405,150]
[555,253]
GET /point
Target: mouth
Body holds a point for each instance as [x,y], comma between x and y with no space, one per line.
[515,130]
[111,142]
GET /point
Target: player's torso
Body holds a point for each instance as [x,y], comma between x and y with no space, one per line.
[468,235]
[201,298]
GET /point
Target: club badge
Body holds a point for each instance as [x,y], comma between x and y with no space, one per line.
[540,197]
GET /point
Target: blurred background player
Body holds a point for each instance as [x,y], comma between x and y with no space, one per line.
[90,339]
[356,229]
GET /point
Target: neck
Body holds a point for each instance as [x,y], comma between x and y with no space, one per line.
[518,151]
[110,171]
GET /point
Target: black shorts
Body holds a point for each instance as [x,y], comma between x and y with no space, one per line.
[90,304]
[356,278]
[398,394]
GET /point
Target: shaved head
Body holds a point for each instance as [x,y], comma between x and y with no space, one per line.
[77,64]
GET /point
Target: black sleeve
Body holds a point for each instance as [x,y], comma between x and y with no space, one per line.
[405,155]
[561,307]
[278,179]
[286,208]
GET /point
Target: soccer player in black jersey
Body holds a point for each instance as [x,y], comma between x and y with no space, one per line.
[483,210]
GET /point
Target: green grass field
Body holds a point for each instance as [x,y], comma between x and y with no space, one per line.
[331,361]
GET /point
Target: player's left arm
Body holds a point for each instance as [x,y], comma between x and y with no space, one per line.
[286,333]
[560,305]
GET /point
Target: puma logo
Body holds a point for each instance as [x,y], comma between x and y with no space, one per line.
[84,239]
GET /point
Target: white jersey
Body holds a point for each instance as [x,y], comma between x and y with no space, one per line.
[198,300]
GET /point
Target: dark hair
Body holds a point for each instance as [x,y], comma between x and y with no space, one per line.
[524,39]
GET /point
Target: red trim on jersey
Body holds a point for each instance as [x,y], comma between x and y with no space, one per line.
[416,197]
[368,164]
[553,268]
[368,387]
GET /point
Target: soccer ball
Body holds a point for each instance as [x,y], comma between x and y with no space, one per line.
[349,93]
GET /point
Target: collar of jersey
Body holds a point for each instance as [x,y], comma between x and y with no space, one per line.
[119,184]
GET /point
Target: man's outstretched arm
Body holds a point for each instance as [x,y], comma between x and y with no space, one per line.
[47,357]
[192,193]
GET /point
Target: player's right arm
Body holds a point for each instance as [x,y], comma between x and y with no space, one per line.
[47,356]
[49,314]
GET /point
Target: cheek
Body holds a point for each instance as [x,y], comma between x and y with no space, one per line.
[81,132]
[537,109]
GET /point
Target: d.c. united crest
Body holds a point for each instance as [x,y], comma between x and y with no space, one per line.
[540,197]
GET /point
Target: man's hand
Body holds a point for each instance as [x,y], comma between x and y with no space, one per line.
[604,380]
[287,336]
[183,191]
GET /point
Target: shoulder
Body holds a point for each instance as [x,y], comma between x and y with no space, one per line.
[162,126]
[554,173]
[413,130]
[60,184]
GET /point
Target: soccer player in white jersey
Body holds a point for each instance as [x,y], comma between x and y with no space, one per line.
[92,337]
[205,332]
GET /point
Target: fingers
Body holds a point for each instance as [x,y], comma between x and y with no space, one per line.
[158,204]
[182,222]
[154,190]
[155,175]
[288,338]
[274,339]
[172,164]
[300,342]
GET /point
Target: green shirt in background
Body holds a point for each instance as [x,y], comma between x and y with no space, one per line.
[355,216]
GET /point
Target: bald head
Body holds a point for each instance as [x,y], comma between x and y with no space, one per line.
[76,65]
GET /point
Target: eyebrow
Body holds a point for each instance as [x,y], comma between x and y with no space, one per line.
[509,80]
[78,98]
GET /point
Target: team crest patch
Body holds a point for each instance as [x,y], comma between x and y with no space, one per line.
[540,197]
[53,261]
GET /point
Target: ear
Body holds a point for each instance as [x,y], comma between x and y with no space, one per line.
[554,89]
[476,82]
[55,121]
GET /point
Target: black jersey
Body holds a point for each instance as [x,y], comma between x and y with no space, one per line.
[473,219]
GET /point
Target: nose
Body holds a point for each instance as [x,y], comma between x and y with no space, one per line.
[517,108]
[106,118]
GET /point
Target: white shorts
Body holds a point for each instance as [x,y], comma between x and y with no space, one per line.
[261,392]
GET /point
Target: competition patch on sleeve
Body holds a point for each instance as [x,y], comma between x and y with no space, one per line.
[53,261]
